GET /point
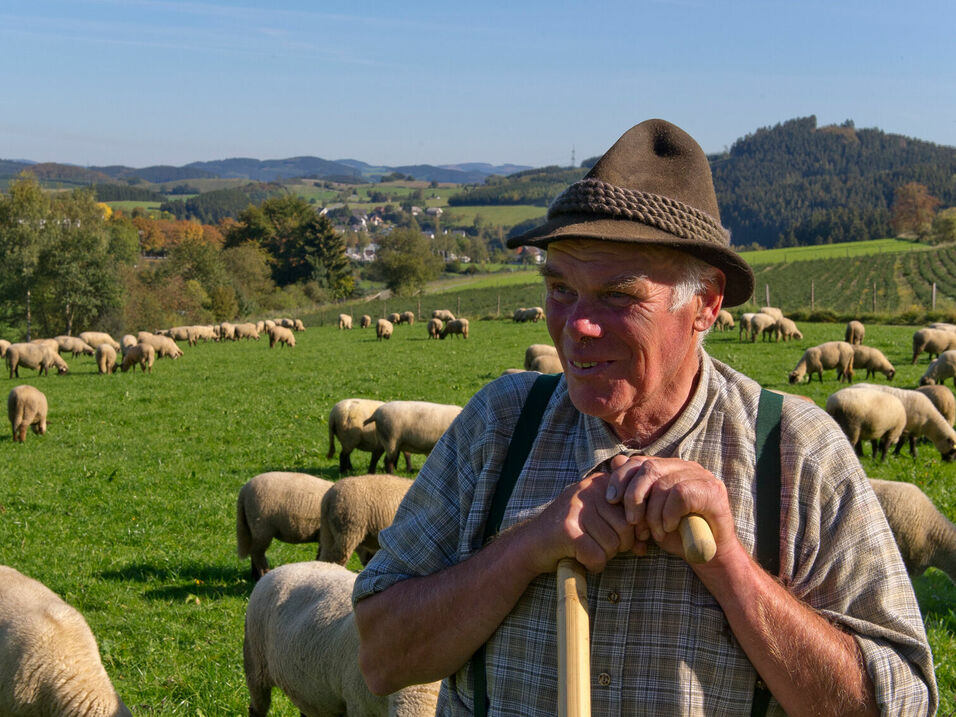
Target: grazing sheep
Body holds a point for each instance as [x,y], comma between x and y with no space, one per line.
[922,419]
[816,359]
[365,321]
[206,332]
[286,323]
[535,350]
[943,399]
[247,330]
[345,321]
[744,330]
[226,331]
[395,318]
[546,363]
[725,320]
[873,360]
[281,335]
[142,354]
[763,324]
[30,355]
[939,369]
[26,408]
[943,326]
[268,325]
[281,505]
[298,325]
[164,346]
[95,338]
[49,661]
[434,328]
[383,329]
[786,329]
[933,342]
[413,426]
[51,344]
[354,510]
[74,345]
[4,345]
[926,538]
[407,317]
[854,333]
[771,311]
[182,333]
[533,314]
[105,358]
[126,342]
[347,423]
[867,414]
[455,327]
[300,636]
[443,314]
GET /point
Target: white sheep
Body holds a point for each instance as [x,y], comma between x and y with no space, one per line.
[873,360]
[74,345]
[105,359]
[830,354]
[533,314]
[281,335]
[939,369]
[546,363]
[247,330]
[943,399]
[49,661]
[413,426]
[455,327]
[226,330]
[926,537]
[181,333]
[278,504]
[347,423]
[383,329]
[37,356]
[725,320]
[142,354]
[943,326]
[868,414]
[4,345]
[95,338]
[365,321]
[345,321]
[395,318]
[922,419]
[933,342]
[407,317]
[354,511]
[26,408]
[434,328]
[855,331]
[787,330]
[127,342]
[763,324]
[443,314]
[535,350]
[298,325]
[771,311]
[300,636]
[744,330]
[164,346]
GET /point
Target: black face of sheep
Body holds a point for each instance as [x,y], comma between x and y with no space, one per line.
[950,455]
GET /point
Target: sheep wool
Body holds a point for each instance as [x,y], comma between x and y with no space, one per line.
[855,331]
[535,350]
[873,360]
[922,419]
[443,314]
[817,359]
[345,321]
[763,324]
[943,399]
[4,345]
[31,355]
[434,328]
[940,368]
[49,660]
[868,414]
[546,364]
[95,338]
[455,327]
[383,329]
[933,342]
[725,320]
[26,408]
[365,321]
[105,358]
[281,335]
[74,345]
[300,636]
[347,423]
[142,354]
[413,426]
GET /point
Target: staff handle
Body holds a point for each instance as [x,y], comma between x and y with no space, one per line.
[574,653]
[697,538]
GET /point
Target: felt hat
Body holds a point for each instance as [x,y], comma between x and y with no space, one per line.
[653,186]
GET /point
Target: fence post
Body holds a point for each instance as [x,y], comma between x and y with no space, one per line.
[812,293]
[498,312]
[874,297]
[458,312]
[767,293]
[934,296]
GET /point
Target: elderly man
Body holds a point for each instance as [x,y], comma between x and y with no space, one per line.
[643,429]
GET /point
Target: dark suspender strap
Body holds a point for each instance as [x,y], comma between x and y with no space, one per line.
[526,429]
[767,448]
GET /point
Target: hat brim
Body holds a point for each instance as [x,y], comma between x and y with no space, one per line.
[739,284]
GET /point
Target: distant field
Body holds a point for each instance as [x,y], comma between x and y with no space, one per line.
[127,206]
[505,216]
[829,251]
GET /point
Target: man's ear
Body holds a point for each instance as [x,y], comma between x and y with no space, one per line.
[709,302]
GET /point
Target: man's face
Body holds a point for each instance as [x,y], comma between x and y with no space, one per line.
[627,357]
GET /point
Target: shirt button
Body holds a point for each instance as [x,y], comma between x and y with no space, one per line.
[613,597]
[604,679]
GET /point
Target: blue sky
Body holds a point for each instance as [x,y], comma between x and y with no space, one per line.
[141,82]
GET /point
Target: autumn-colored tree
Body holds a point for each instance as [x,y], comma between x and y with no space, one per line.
[913,210]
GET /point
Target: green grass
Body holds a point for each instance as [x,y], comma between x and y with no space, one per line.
[126,507]
[828,251]
[128,205]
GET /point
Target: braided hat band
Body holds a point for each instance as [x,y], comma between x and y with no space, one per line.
[594,196]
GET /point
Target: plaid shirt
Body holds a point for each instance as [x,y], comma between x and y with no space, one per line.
[660,644]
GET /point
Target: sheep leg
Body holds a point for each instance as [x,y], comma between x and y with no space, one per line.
[913,446]
[884,444]
[259,563]
[376,454]
[345,461]
[390,460]
[408,461]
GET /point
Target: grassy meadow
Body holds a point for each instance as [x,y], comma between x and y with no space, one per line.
[126,508]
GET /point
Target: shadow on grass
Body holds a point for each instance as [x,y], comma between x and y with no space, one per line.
[184,582]
[937,597]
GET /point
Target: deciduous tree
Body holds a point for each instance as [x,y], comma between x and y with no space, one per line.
[405,262]
[913,210]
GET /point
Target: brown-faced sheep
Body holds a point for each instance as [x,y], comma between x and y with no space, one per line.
[4,345]
[763,324]
[533,314]
[247,330]
[413,426]
[26,408]
[383,329]
[725,320]
[787,330]
[300,636]
[546,363]
[939,369]
[744,330]
[298,325]
[456,327]
[95,338]
[49,661]
[873,360]
[817,359]
[434,328]
[106,359]
[345,321]
[74,345]
[922,419]
[347,423]
[365,321]
[943,399]
[277,504]
[535,350]
[142,354]
[866,414]
[354,510]
[36,356]
[407,317]
[855,331]
[443,314]
[926,538]
[395,318]
[282,336]
[933,342]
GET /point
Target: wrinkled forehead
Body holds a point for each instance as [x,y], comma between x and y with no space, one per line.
[625,257]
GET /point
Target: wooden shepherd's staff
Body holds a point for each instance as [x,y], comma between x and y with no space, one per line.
[574,668]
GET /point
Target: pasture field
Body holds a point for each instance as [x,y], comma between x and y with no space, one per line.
[830,251]
[126,508]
